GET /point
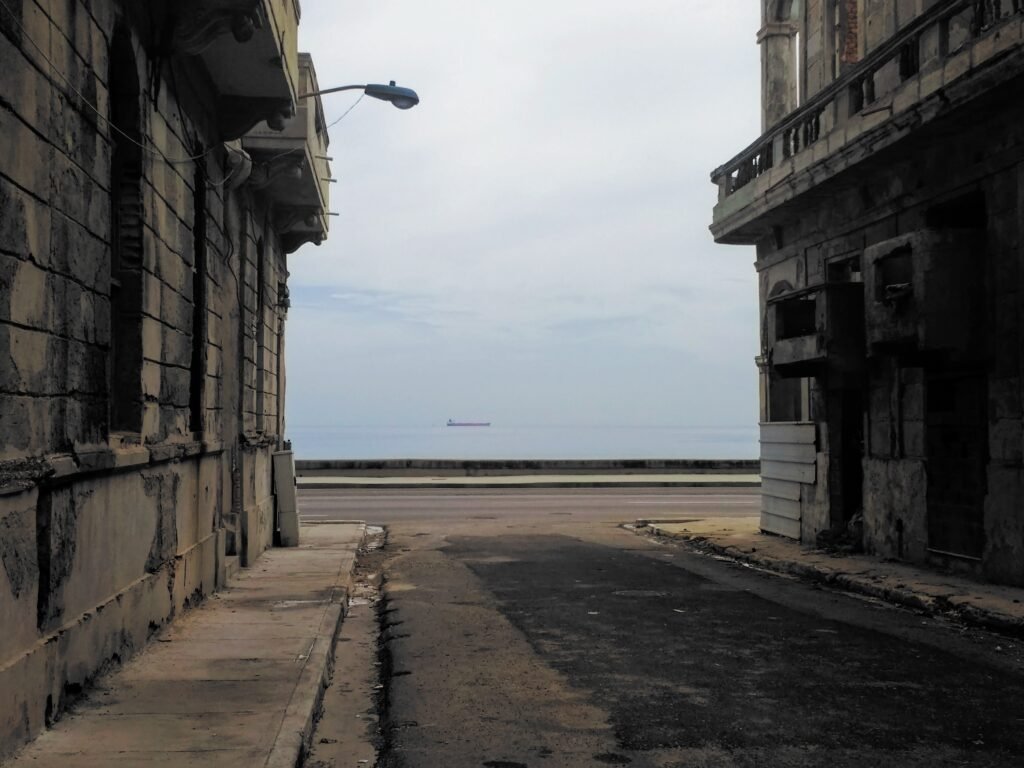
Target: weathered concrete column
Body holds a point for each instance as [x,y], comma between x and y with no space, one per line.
[778,71]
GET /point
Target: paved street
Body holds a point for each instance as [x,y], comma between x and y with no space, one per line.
[523,507]
[529,629]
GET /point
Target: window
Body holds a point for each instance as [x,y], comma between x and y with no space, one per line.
[845,270]
[198,365]
[789,399]
[782,62]
[834,38]
[895,275]
[968,211]
[910,58]
[789,11]
[126,238]
[261,337]
[796,317]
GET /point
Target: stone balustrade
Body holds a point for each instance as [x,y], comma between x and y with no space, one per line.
[941,44]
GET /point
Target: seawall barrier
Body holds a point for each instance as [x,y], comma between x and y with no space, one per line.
[499,467]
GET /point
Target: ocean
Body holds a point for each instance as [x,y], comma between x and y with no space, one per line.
[548,442]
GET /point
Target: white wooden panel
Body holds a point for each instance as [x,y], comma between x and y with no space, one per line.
[800,453]
[781,507]
[788,432]
[780,489]
[786,470]
[780,525]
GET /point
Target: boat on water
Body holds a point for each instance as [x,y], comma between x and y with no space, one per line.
[453,423]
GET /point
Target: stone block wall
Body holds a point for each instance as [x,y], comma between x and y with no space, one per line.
[105,536]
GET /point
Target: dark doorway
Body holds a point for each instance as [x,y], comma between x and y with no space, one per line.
[957,453]
[846,480]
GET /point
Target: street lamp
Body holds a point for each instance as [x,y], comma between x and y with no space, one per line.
[403,98]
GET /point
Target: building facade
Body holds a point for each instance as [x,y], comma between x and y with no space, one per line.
[157,166]
[885,197]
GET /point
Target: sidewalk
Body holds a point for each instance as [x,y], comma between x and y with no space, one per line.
[617,480]
[985,605]
[234,682]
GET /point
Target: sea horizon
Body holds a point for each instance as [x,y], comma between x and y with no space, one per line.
[440,441]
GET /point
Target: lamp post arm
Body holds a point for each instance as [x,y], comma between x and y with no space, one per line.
[332,90]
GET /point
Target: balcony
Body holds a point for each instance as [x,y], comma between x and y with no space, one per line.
[250,50]
[929,68]
[291,166]
[817,330]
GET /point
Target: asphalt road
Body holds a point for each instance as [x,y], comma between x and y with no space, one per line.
[521,506]
[529,629]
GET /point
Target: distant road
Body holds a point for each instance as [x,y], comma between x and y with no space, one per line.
[605,505]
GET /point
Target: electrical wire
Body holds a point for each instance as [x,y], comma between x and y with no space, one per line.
[226,178]
[53,68]
[354,105]
[156,151]
[278,156]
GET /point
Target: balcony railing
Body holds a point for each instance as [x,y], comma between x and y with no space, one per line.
[935,37]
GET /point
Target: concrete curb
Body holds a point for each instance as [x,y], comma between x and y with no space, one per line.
[448,485]
[296,731]
[933,605]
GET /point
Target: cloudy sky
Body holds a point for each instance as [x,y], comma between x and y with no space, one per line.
[529,245]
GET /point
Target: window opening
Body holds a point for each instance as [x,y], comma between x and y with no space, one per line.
[126,238]
[964,212]
[261,338]
[847,270]
[797,67]
[788,399]
[910,58]
[199,300]
[796,317]
[895,275]
[838,42]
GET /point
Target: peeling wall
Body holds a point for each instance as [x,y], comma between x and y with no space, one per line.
[105,536]
[19,575]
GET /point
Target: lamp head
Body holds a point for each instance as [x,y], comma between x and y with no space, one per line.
[403,98]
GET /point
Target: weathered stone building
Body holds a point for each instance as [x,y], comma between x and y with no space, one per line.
[157,165]
[886,200]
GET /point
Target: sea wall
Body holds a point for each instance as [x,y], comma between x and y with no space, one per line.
[415,467]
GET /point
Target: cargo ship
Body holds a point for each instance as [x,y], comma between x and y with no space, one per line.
[453,423]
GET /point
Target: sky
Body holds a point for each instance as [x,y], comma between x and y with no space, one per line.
[530,244]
